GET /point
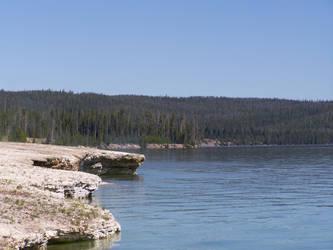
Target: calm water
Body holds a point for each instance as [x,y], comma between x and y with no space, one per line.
[227,198]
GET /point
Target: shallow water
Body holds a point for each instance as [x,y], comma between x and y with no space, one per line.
[225,198]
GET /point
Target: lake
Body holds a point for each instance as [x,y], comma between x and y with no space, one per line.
[223,198]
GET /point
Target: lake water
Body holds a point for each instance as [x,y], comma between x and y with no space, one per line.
[224,198]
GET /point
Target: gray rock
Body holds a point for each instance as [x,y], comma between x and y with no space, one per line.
[108,162]
[90,160]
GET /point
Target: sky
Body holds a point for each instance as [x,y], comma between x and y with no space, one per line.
[230,48]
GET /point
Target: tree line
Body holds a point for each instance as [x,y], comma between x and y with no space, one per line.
[67,118]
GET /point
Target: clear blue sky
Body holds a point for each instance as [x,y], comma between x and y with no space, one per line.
[173,47]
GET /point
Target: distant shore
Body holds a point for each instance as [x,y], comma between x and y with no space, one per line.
[204,144]
[212,144]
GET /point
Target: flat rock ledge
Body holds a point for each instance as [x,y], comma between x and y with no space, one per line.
[84,159]
[34,204]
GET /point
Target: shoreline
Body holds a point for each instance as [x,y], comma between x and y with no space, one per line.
[129,146]
[42,205]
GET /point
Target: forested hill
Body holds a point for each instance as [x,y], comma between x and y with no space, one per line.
[93,119]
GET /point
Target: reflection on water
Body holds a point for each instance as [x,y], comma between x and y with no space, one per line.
[225,198]
[88,245]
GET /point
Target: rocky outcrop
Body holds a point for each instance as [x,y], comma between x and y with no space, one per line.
[34,204]
[105,162]
[85,159]
[57,163]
